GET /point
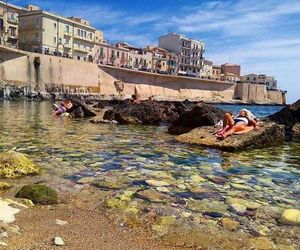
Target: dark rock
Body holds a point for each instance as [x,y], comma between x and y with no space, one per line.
[213,214]
[146,112]
[200,115]
[288,116]
[101,104]
[77,113]
[38,194]
[296,129]
[269,134]
[87,111]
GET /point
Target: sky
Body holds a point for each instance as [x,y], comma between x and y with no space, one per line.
[261,35]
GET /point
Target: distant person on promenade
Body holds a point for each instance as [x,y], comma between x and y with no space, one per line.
[64,107]
[244,122]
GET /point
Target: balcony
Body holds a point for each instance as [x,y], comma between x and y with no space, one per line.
[66,33]
[67,46]
[83,38]
[83,50]
[13,20]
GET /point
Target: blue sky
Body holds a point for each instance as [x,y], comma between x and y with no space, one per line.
[261,35]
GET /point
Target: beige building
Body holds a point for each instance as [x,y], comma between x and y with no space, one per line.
[44,32]
[190,52]
[159,59]
[216,72]
[269,81]
[9,24]
[230,77]
[207,71]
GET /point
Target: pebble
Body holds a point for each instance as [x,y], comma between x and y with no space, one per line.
[58,241]
[61,222]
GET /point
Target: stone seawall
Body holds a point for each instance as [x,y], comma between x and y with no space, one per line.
[36,73]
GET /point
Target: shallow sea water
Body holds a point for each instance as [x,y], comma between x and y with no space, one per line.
[75,149]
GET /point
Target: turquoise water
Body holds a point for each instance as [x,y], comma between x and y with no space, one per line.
[75,149]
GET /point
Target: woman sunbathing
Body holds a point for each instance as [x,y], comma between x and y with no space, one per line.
[244,122]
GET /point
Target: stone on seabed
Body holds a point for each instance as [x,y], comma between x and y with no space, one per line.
[14,165]
[229,224]
[269,134]
[290,217]
[58,241]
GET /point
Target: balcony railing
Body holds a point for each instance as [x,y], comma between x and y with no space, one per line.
[67,33]
[81,49]
[83,38]
[13,20]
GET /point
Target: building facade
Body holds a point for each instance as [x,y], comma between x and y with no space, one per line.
[159,59]
[9,24]
[191,59]
[207,71]
[231,68]
[44,32]
[269,81]
[216,72]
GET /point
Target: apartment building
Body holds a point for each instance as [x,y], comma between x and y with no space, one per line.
[231,68]
[190,52]
[207,71]
[44,32]
[216,72]
[138,57]
[269,81]
[159,59]
[9,24]
[111,54]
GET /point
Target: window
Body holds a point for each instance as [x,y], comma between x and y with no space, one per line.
[54,40]
[123,55]
[78,32]
[91,36]
[81,33]
[67,29]
[54,25]
[118,54]
[101,51]
[78,57]
[84,34]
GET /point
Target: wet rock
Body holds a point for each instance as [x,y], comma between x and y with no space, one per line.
[154,196]
[7,212]
[238,208]
[290,217]
[112,182]
[207,205]
[163,189]
[14,165]
[4,186]
[269,134]
[144,112]
[247,203]
[61,222]
[201,115]
[38,194]
[58,241]
[164,224]
[197,179]
[85,110]
[229,224]
[296,129]
[101,121]
[156,183]
[288,116]
[241,187]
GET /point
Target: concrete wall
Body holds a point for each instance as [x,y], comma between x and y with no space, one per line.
[56,74]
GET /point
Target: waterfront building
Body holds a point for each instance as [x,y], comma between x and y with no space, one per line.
[269,81]
[159,59]
[9,24]
[216,72]
[111,54]
[190,52]
[138,58]
[230,77]
[207,71]
[44,32]
[231,68]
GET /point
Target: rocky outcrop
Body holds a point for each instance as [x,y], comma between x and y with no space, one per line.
[14,165]
[146,112]
[80,109]
[201,115]
[288,116]
[269,134]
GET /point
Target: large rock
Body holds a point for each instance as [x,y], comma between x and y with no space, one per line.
[288,116]
[80,109]
[14,165]
[146,112]
[38,194]
[201,115]
[269,134]
[290,217]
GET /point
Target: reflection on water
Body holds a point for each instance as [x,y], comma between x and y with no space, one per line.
[76,149]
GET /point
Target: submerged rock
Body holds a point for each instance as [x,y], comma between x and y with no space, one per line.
[154,196]
[58,241]
[207,206]
[288,116]
[290,217]
[201,115]
[112,182]
[269,134]
[4,186]
[229,224]
[14,165]
[38,194]
[247,203]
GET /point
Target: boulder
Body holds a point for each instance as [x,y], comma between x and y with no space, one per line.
[38,194]
[290,217]
[146,112]
[85,109]
[288,116]
[14,164]
[269,134]
[296,129]
[200,115]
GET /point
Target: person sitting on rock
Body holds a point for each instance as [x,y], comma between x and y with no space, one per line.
[63,108]
[244,122]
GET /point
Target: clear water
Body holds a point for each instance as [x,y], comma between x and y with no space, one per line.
[76,148]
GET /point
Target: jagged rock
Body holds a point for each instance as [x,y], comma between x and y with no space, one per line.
[87,111]
[77,113]
[102,104]
[288,116]
[269,134]
[201,115]
[146,112]
[14,164]
[38,194]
